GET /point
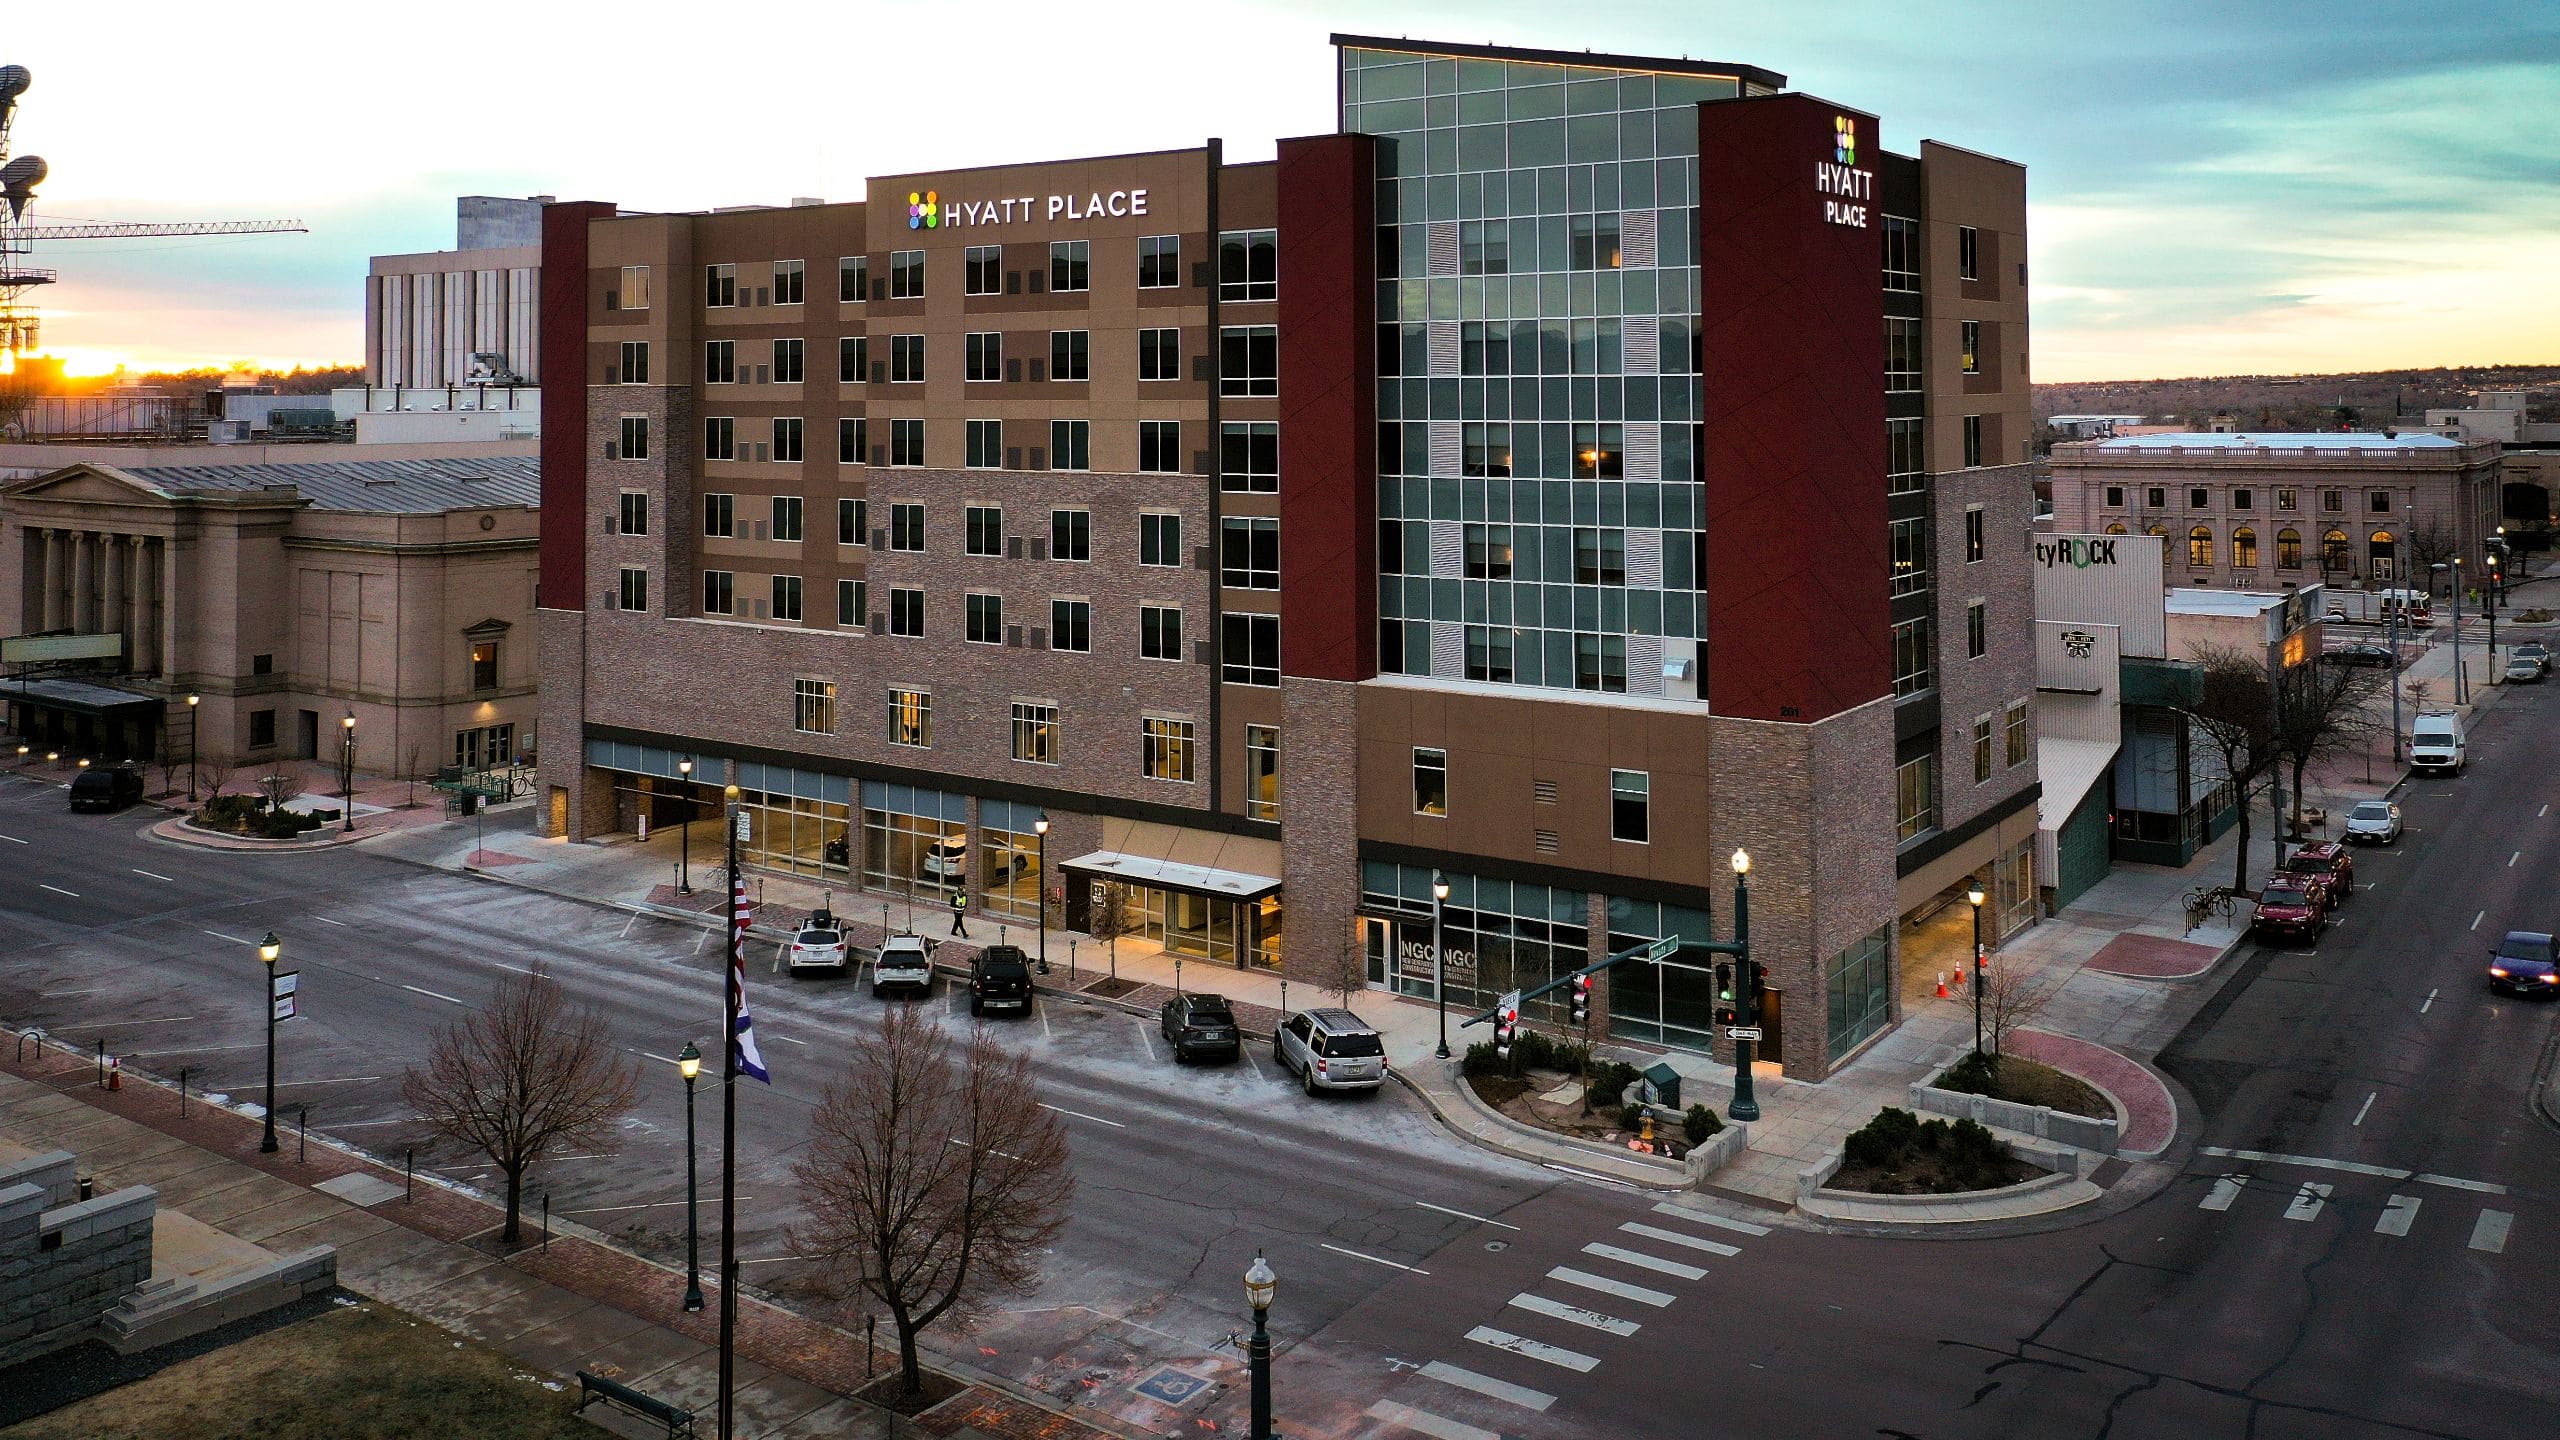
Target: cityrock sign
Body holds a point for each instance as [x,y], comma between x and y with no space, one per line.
[927,210]
[2078,553]
[1850,188]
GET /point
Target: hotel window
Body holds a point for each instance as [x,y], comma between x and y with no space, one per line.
[1160,446]
[986,618]
[1159,538]
[1599,452]
[1968,253]
[1159,262]
[2020,743]
[1906,464]
[720,362]
[1977,630]
[1910,557]
[906,359]
[720,286]
[1035,732]
[986,529]
[906,274]
[1249,649]
[786,517]
[2286,498]
[1069,261]
[484,665]
[1249,360]
[2288,549]
[2198,497]
[790,282]
[1067,353]
[786,597]
[1600,663]
[1489,654]
[1901,354]
[2115,497]
[1488,552]
[1070,534]
[1430,781]
[853,440]
[1262,772]
[2244,549]
[1911,657]
[1071,625]
[906,442]
[1159,632]
[1970,332]
[2200,547]
[1631,806]
[986,355]
[1901,253]
[1973,539]
[1915,797]
[1249,265]
[1599,557]
[1485,451]
[719,592]
[1972,442]
[1160,353]
[982,270]
[1982,751]
[2333,501]
[906,525]
[853,604]
[635,588]
[906,612]
[1070,444]
[634,294]
[2244,499]
[1249,553]
[634,519]
[720,516]
[853,359]
[635,362]
[790,361]
[1593,242]
[1168,748]
[1249,457]
[786,439]
[986,445]
[853,279]
[813,707]
[719,438]
[911,718]
[635,438]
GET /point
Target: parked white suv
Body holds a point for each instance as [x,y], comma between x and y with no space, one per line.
[1331,1050]
[904,963]
[817,945]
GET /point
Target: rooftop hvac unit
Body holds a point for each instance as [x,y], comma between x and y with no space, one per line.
[228,432]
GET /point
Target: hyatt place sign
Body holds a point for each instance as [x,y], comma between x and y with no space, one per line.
[927,210]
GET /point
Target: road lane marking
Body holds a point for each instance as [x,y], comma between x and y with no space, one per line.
[787,1040]
[2307,1201]
[2431,1000]
[1683,1212]
[2538,814]
[2398,1214]
[1007,1154]
[2366,1106]
[1463,1215]
[711,1204]
[58,890]
[1528,1349]
[431,994]
[64,994]
[1096,1119]
[246,1085]
[2489,1234]
[234,939]
[163,1020]
[1423,1422]
[369,1124]
[1587,1175]
[325,920]
[190,1050]
[151,875]
[1674,1237]
[2224,1191]
[1575,1314]
[2451,1182]
[503,965]
[1520,1395]
[12,839]
[1372,1259]
[2352,1167]
[1643,1261]
[2476,919]
[2511,860]
[1607,1286]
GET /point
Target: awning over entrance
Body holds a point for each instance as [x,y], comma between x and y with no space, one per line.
[2068,768]
[77,697]
[1186,861]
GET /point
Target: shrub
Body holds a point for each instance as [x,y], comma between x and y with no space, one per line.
[1480,1060]
[1609,1081]
[1972,1075]
[1930,1135]
[286,824]
[1975,1144]
[1700,1123]
[1631,1116]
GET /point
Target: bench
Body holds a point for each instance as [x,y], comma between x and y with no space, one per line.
[678,1420]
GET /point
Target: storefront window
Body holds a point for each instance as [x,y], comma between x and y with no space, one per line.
[1009,872]
[1184,924]
[1670,1002]
[1497,935]
[1858,989]
[914,841]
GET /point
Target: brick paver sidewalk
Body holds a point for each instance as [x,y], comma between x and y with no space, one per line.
[2151,1113]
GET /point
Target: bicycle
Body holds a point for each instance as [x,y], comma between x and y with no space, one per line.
[2206,901]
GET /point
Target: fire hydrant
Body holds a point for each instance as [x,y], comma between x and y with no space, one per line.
[1647,1134]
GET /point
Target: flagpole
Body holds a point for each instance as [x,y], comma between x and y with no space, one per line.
[729,1143]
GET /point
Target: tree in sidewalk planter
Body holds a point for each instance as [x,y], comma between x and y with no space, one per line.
[1348,975]
[933,1179]
[2324,712]
[2233,720]
[1109,918]
[2010,998]
[521,1079]
[281,781]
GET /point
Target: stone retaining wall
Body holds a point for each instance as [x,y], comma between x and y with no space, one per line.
[2080,1132]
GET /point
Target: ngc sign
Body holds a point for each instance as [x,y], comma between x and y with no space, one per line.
[927,210]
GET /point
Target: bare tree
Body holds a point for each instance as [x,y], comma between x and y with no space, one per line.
[521,1078]
[281,781]
[1109,917]
[933,1180]
[2428,545]
[416,754]
[214,774]
[2232,718]
[2009,1000]
[2322,712]
[1348,975]
[168,767]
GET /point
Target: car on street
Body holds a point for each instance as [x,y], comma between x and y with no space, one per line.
[2534,650]
[904,963]
[106,788]
[1200,1024]
[1000,979]
[817,945]
[2523,964]
[2358,653]
[2326,869]
[1331,1050]
[2374,822]
[2287,911]
[2523,670]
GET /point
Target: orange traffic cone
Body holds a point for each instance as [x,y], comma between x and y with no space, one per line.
[1942,984]
[1959,977]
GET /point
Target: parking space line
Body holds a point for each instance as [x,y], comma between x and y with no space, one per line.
[191,1050]
[1423,1422]
[1702,1217]
[234,939]
[1574,1314]
[2512,859]
[2307,1201]
[249,1084]
[2224,1191]
[1528,1349]
[2431,998]
[2352,1167]
[1520,1395]
[1096,1119]
[2476,919]
[1373,1259]
[12,839]
[2363,1108]
[2398,1214]
[153,875]
[325,920]
[432,994]
[1607,1286]
[162,1020]
[1674,1237]
[1643,1261]
[1146,1040]
[58,890]
[2489,1233]
[1250,1063]
[1463,1215]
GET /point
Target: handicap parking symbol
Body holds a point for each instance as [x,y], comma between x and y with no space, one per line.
[1172,1386]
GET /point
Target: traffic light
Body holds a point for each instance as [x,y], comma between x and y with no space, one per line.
[1724,1008]
[1581,999]
[1747,1009]
[1506,1018]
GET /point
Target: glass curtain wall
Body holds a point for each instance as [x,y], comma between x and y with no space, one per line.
[1498,936]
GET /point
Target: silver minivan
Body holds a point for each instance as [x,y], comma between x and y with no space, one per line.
[1331,1050]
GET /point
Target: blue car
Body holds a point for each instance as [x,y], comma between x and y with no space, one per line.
[2522,965]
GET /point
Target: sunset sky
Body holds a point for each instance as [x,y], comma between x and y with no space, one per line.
[2225,187]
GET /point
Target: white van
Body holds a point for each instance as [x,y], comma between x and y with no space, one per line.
[2435,743]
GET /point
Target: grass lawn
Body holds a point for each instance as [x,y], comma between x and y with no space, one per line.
[364,1369]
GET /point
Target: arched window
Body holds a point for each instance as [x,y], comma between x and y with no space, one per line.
[2116,529]
[2168,557]
[2200,547]
[2288,549]
[2333,553]
[2244,549]
[2385,553]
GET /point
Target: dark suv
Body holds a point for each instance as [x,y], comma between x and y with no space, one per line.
[2288,911]
[1200,1025]
[2522,965]
[2326,869]
[110,787]
[1000,979]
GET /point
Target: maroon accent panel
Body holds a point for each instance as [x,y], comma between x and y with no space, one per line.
[1790,254]
[564,401]
[1328,408]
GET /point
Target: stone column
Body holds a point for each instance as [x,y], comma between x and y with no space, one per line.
[57,561]
[111,607]
[146,609]
[84,580]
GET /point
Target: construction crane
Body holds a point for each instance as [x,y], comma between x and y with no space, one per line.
[138,230]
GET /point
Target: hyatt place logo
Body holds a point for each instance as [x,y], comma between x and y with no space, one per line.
[924,211]
[1844,140]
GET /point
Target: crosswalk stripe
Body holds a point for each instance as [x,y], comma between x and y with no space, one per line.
[1528,1349]
[1674,1237]
[2398,1214]
[1643,1261]
[1574,1314]
[2307,1201]
[2224,1191]
[1702,1217]
[1607,1286]
[2489,1233]
[1520,1395]
[1439,1427]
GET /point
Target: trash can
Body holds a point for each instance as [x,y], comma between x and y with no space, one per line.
[1662,1086]
[470,802]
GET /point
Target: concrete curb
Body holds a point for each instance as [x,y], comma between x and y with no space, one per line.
[2070,1191]
[177,831]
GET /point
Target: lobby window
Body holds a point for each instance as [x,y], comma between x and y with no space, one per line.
[986,444]
[1249,265]
[484,665]
[634,294]
[262,729]
[1972,442]
[1071,625]
[986,529]
[1159,538]
[906,442]
[1857,992]
[1070,534]
[634,519]
[790,282]
[906,525]
[1067,353]
[1906,464]
[911,718]
[1489,653]
[2244,549]
[906,274]
[1911,659]
[1069,264]
[635,362]
[719,592]
[853,604]
[720,362]
[1631,806]
[2244,499]
[1901,253]
[1600,663]
[1249,457]
[1593,242]
[1159,262]
[1968,253]
[1599,557]
[786,517]
[813,706]
[787,432]
[1168,744]
[982,270]
[1901,354]
[2020,743]
[906,613]
[1249,649]
[2200,547]
[1915,797]
[1070,444]
[1488,552]
[786,597]
[2288,549]
[1249,553]
[1982,751]
[986,356]
[2115,497]
[1430,781]
[1249,360]
[1969,332]
[853,520]
[635,438]
[1910,551]
[1160,447]
[853,359]
[1262,772]
[1977,630]
[986,618]
[853,440]
[790,361]
[1973,535]
[720,286]
[2198,497]
[1035,732]
[906,359]
[1160,632]
[2157,498]
[635,588]
[853,279]
[720,516]
[1160,353]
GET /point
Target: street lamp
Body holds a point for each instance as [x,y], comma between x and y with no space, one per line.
[347,771]
[269,950]
[689,1065]
[684,867]
[1261,1283]
[192,702]
[1745,1105]
[1439,972]
[2453,582]
[1040,830]
[1973,892]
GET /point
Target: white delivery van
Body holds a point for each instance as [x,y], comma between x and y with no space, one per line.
[2435,743]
